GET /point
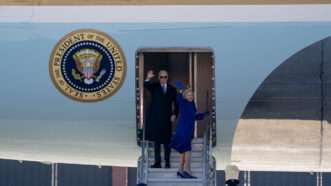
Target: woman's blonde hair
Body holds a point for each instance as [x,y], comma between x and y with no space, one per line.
[186,91]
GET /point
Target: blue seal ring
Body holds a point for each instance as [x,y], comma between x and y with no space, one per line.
[106,64]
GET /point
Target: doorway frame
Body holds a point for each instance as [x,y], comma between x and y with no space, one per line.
[139,82]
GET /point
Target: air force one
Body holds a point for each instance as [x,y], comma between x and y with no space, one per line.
[72,82]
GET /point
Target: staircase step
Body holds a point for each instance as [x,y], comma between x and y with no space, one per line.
[177,157]
[171,173]
[176,154]
[193,151]
[171,169]
[177,160]
[176,165]
[174,182]
[197,140]
[195,146]
[194,141]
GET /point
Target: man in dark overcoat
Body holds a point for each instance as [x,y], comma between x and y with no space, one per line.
[162,112]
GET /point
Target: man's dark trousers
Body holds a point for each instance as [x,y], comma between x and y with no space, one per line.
[157,151]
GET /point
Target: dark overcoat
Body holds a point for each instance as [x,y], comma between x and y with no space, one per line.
[162,106]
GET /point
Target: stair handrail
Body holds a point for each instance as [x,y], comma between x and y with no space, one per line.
[143,162]
[209,160]
[206,152]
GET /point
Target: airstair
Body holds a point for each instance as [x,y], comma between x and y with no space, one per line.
[203,165]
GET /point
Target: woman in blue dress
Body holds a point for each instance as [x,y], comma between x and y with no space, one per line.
[182,140]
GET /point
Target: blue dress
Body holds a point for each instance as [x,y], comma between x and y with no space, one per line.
[181,141]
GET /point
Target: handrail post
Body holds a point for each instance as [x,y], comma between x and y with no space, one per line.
[205,161]
[145,155]
[144,160]
[207,154]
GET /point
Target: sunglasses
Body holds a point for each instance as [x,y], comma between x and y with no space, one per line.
[163,77]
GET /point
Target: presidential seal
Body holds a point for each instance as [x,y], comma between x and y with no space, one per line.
[87,65]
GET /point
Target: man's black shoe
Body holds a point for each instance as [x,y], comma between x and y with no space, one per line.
[156,166]
[167,165]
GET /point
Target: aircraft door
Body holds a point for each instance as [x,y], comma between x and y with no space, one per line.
[202,65]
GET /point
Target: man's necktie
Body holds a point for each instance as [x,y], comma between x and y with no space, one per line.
[164,88]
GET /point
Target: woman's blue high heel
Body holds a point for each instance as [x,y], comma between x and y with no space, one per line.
[179,174]
[188,175]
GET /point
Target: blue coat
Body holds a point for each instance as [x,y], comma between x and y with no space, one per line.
[182,139]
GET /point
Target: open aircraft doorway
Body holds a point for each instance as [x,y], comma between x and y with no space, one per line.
[193,67]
